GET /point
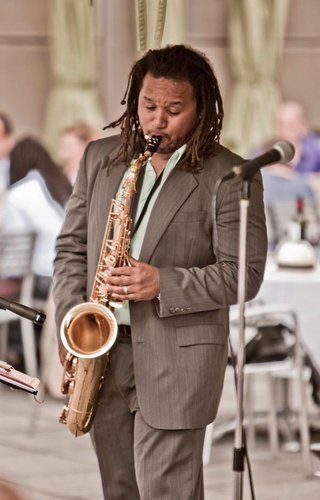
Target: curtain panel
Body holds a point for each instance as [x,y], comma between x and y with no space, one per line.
[159,22]
[73,61]
[256,35]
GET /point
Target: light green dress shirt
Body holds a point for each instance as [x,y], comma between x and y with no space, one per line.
[123,314]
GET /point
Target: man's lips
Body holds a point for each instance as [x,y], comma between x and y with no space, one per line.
[164,136]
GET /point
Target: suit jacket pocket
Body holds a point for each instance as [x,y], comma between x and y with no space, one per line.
[201,334]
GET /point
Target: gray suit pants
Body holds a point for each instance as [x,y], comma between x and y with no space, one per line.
[138,462]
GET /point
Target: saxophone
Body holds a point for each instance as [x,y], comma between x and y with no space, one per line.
[89,330]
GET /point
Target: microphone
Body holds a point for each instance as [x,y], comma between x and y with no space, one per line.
[282,152]
[37,317]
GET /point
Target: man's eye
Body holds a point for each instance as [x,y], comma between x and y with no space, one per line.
[150,108]
[173,113]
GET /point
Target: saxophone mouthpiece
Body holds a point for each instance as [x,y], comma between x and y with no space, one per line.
[153,143]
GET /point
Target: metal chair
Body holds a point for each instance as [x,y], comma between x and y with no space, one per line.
[289,369]
[16,281]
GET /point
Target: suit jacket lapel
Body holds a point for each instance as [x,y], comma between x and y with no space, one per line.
[173,194]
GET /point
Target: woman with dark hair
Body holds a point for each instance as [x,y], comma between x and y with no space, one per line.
[29,154]
[35,203]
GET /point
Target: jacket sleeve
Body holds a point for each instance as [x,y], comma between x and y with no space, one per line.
[184,291]
[70,265]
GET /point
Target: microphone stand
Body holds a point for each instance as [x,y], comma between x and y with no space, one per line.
[8,375]
[239,449]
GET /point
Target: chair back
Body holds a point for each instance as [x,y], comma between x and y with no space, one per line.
[16,253]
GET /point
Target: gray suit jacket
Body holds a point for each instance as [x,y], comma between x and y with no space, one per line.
[179,343]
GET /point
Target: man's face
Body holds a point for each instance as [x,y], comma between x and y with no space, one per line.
[291,124]
[6,142]
[167,108]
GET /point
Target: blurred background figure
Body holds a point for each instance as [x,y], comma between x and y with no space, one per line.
[9,492]
[73,142]
[281,183]
[35,203]
[283,186]
[300,179]
[6,144]
[292,125]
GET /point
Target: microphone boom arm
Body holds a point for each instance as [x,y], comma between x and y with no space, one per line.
[37,317]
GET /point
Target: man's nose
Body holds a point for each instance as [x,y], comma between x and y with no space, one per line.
[160,119]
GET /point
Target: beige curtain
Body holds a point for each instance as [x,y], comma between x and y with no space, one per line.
[74,95]
[256,43]
[159,22]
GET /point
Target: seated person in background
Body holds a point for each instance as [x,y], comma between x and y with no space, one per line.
[73,142]
[35,203]
[282,183]
[292,125]
[282,187]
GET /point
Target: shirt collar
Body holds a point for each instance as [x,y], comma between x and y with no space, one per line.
[173,160]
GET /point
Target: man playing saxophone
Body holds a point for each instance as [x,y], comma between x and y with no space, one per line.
[165,372]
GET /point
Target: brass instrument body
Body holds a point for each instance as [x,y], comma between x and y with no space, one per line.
[89,330]
[79,413]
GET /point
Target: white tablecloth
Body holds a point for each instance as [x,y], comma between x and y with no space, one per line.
[301,290]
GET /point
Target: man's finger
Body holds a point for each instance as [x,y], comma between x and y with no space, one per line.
[117,280]
[129,296]
[119,290]
[121,271]
[134,262]
[121,280]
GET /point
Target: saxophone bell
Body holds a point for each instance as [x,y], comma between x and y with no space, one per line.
[88,330]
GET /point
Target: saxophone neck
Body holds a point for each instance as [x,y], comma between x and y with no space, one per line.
[129,186]
[140,162]
[152,144]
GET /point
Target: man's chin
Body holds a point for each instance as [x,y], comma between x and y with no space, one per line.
[166,150]
[167,147]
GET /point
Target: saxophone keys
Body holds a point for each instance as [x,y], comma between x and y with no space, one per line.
[71,387]
[115,304]
[67,386]
[101,382]
[64,415]
[70,363]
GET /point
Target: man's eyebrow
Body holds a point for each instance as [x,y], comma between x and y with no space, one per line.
[171,103]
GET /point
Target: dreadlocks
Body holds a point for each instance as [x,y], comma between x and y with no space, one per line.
[176,62]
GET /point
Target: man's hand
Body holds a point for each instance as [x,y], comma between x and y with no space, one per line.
[139,281]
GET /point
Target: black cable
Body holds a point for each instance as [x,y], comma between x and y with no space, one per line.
[145,206]
[232,355]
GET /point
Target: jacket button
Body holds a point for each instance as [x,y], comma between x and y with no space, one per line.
[174,310]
